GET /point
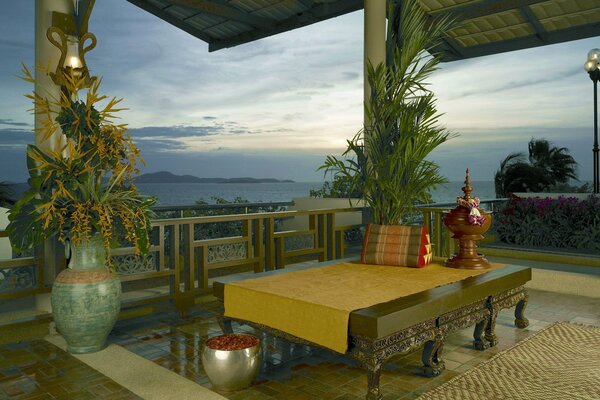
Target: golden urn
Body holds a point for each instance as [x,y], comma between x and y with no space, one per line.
[468,223]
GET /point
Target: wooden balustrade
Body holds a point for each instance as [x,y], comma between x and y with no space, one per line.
[182,255]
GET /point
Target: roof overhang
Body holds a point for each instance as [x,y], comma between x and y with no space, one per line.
[486,26]
[223,23]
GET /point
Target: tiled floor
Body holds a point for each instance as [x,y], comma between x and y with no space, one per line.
[38,370]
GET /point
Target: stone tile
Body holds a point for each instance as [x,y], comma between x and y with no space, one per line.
[41,370]
[291,372]
[459,357]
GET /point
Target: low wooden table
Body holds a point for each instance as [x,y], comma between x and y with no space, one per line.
[402,325]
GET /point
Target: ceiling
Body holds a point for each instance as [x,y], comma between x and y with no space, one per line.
[486,26]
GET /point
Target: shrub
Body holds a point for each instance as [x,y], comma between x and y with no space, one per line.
[565,222]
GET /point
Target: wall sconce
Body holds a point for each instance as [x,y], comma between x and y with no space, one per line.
[72,55]
[69,34]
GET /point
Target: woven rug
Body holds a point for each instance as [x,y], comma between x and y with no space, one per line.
[560,362]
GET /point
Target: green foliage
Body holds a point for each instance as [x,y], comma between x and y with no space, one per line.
[341,187]
[386,162]
[566,188]
[564,223]
[6,194]
[546,168]
[85,187]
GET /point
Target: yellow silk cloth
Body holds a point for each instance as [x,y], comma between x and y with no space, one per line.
[315,304]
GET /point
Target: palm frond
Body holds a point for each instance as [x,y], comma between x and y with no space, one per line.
[387,160]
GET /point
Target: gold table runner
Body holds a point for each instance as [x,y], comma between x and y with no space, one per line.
[315,304]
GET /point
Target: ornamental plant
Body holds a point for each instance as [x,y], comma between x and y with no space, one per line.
[85,186]
[387,161]
[562,223]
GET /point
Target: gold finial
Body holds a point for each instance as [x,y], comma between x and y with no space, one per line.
[467,189]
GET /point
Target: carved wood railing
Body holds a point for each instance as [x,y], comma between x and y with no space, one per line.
[185,252]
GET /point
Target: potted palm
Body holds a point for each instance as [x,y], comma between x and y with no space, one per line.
[386,162]
[83,194]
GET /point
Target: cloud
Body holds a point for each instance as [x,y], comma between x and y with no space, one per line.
[19,138]
[175,131]
[10,122]
[483,156]
[298,93]
[516,84]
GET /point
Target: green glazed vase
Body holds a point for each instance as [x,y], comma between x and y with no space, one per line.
[86,298]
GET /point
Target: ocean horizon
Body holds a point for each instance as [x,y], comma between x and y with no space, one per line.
[180,194]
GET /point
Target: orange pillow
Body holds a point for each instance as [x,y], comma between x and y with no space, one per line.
[398,245]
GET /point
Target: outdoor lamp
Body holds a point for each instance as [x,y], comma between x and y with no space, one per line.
[592,66]
[72,55]
[69,33]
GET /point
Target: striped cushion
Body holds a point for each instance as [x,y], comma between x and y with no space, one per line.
[399,245]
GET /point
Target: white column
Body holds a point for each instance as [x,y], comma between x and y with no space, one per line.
[46,55]
[375,29]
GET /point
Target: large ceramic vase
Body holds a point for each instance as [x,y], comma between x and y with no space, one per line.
[86,298]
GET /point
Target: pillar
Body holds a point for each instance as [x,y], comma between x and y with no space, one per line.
[375,30]
[47,55]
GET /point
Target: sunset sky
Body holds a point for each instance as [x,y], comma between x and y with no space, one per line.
[276,107]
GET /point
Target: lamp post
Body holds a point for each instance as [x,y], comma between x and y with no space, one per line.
[592,66]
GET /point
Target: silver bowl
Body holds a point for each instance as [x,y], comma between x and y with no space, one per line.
[230,370]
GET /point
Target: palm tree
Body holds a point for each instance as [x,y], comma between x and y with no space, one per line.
[545,167]
[556,162]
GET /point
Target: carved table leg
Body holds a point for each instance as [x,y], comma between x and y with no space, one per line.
[433,365]
[371,359]
[520,320]
[480,343]
[225,324]
[490,329]
[373,375]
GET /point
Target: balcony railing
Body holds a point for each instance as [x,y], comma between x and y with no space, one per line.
[187,252]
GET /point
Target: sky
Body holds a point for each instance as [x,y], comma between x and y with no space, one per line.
[277,106]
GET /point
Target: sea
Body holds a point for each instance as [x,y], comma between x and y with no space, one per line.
[178,194]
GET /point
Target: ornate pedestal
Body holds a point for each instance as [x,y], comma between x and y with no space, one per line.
[467,229]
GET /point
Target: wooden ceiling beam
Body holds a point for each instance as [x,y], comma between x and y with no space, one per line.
[482,8]
[535,23]
[552,37]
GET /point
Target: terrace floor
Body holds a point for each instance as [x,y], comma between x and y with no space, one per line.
[36,369]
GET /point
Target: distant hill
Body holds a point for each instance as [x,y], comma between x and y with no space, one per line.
[167,177]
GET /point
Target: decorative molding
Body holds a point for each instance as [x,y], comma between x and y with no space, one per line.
[227,252]
[17,278]
[299,242]
[131,264]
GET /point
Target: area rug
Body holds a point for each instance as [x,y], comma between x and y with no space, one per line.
[560,362]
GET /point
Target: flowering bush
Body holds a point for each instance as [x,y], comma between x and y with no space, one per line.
[85,186]
[565,222]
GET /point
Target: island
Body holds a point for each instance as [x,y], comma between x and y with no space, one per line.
[168,177]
